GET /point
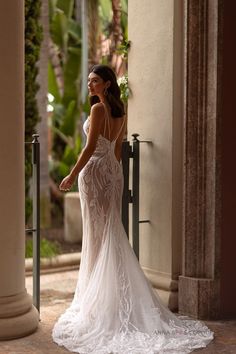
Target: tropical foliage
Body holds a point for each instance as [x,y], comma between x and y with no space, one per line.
[33,38]
[64,86]
[107,22]
[114,34]
[107,43]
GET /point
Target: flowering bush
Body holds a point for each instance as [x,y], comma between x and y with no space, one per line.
[124,88]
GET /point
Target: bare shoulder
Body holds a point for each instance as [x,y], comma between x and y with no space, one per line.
[98,109]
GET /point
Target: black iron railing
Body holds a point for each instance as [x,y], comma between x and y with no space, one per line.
[132,195]
[35,230]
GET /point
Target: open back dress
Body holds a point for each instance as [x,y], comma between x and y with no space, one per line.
[114,309]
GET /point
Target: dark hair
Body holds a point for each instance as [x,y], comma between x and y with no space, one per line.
[113,91]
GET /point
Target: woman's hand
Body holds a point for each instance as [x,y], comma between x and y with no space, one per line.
[67,183]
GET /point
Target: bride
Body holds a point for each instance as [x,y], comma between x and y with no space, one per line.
[114,309]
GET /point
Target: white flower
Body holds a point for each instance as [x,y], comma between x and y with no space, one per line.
[123,80]
[124,88]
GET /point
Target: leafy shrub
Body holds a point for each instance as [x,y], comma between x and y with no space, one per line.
[47,248]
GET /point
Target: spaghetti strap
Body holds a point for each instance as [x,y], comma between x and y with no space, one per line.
[120,130]
[106,122]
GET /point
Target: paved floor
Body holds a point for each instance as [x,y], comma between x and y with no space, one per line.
[56,294]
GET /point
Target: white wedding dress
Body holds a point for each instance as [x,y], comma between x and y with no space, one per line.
[114,309]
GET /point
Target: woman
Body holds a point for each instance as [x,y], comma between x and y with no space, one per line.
[114,309]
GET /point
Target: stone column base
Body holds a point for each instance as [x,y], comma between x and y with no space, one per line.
[199,297]
[18,317]
[165,287]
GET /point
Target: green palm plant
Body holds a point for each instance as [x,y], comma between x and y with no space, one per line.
[33,39]
[65,75]
[64,86]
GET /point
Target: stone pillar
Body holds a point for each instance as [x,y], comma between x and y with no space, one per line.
[199,283]
[17,315]
[155,112]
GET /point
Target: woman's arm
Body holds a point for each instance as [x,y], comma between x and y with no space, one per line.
[96,120]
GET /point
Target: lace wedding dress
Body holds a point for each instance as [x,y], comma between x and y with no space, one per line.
[114,309]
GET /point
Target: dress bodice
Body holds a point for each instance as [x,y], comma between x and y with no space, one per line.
[103,144]
[102,140]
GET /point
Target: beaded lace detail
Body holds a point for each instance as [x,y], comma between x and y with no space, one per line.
[114,309]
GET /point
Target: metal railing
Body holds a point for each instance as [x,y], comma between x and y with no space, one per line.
[132,195]
[35,230]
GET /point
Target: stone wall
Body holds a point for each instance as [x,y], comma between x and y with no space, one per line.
[155,112]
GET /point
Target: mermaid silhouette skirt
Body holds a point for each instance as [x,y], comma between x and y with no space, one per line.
[114,308]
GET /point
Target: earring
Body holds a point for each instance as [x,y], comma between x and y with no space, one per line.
[105,91]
